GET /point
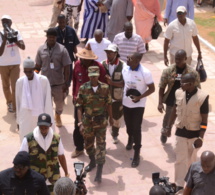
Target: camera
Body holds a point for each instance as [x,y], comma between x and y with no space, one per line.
[80,175]
[169,188]
[11,34]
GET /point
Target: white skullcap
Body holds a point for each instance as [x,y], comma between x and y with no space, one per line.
[28,63]
[6,17]
[64,186]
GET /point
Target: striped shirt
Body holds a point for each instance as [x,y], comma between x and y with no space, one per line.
[129,46]
[93,19]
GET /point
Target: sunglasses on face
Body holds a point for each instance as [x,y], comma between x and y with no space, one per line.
[20,167]
[180,13]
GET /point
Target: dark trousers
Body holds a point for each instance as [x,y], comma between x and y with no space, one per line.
[133,120]
[77,137]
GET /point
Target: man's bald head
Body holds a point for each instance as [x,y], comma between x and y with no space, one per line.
[181,53]
[157,190]
[128,28]
[189,77]
[208,161]
[98,34]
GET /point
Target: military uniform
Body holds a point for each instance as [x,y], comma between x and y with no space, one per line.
[94,119]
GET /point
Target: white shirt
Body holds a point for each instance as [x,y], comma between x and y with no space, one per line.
[11,55]
[129,46]
[136,80]
[180,36]
[98,48]
[73,2]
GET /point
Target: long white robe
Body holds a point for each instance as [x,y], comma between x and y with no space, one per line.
[119,10]
[26,121]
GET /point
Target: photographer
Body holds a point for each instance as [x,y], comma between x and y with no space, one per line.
[64,186]
[10,42]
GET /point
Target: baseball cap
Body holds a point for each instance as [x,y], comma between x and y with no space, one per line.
[22,158]
[6,17]
[181,9]
[112,47]
[44,119]
[93,71]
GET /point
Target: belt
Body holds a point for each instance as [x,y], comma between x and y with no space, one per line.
[95,118]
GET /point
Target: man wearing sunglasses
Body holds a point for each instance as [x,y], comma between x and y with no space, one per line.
[21,179]
[191,113]
[179,35]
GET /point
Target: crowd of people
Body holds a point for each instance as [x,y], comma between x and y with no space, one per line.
[108,82]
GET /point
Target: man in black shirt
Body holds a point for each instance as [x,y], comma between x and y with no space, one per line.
[171,77]
[21,179]
[67,36]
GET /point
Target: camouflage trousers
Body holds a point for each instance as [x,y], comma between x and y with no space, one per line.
[95,130]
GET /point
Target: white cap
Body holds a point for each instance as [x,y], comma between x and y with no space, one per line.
[181,9]
[112,47]
[28,63]
[6,17]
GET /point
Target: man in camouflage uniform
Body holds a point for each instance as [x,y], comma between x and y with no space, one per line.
[113,66]
[171,77]
[45,149]
[94,100]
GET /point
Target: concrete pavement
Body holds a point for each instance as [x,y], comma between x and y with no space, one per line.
[118,178]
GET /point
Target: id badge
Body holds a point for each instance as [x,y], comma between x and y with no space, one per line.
[117,75]
[12,53]
[51,65]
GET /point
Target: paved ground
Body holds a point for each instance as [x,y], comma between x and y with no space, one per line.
[119,177]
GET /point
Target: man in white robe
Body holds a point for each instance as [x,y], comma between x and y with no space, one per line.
[33,97]
[121,11]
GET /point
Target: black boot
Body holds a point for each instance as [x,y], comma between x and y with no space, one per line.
[130,143]
[91,165]
[98,177]
[136,159]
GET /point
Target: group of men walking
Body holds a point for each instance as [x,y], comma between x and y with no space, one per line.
[103,91]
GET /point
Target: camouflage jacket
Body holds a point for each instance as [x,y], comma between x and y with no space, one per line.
[45,163]
[168,78]
[94,103]
[116,92]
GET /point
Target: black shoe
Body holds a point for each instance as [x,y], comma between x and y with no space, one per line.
[130,143]
[98,177]
[91,165]
[163,139]
[135,162]
[136,159]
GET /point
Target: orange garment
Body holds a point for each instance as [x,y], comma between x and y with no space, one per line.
[145,11]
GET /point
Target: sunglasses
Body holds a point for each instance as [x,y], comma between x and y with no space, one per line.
[20,167]
[180,13]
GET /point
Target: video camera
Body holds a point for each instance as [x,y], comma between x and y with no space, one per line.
[11,34]
[80,175]
[169,188]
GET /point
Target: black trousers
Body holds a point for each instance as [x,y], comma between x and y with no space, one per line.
[133,120]
[77,137]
